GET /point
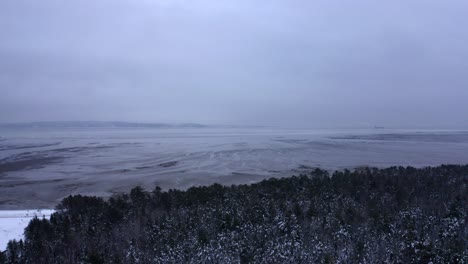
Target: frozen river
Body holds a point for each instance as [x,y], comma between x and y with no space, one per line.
[40,166]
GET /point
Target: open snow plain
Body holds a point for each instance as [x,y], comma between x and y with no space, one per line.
[12,223]
[40,166]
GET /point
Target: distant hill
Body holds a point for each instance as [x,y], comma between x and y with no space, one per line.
[98,124]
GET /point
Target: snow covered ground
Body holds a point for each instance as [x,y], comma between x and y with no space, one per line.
[13,222]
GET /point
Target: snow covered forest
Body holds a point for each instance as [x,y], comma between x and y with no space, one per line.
[393,215]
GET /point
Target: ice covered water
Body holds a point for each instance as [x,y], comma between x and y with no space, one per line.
[40,166]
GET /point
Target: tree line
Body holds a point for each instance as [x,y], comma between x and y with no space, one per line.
[368,215]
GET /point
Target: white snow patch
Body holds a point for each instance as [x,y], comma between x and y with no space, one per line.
[13,223]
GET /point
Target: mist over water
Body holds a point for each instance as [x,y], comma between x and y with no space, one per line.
[39,166]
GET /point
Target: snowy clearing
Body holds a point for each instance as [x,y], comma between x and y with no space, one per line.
[13,222]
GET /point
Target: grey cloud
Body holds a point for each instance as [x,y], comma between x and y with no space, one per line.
[282,63]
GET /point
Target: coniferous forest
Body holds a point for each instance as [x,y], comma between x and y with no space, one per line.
[393,215]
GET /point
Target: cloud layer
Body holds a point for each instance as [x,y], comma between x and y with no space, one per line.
[283,63]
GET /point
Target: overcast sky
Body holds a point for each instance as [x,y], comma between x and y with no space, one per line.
[321,63]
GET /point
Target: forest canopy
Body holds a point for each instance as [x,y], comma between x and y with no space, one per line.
[392,215]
